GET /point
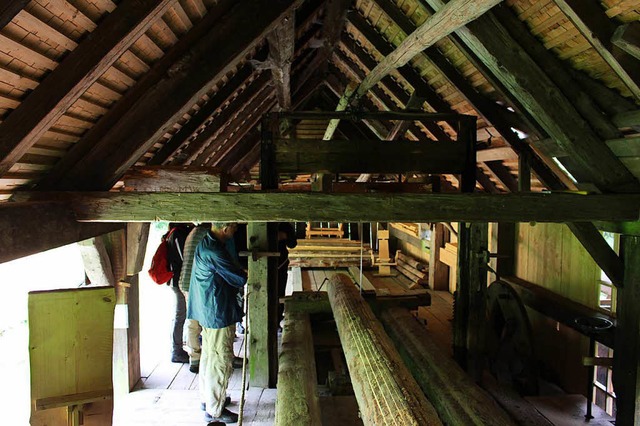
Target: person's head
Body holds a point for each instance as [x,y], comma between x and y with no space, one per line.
[223,230]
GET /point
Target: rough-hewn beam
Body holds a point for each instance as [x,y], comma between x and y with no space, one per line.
[297,207]
[67,82]
[600,251]
[334,20]
[525,78]
[9,9]
[208,60]
[455,396]
[174,179]
[627,118]
[627,38]
[394,394]
[504,175]
[32,228]
[487,184]
[448,19]
[281,44]
[58,177]
[590,19]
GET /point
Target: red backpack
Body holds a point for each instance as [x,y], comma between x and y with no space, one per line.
[159,271]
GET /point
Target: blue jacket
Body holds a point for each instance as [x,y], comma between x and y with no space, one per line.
[216,279]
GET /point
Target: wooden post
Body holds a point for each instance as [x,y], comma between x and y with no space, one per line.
[263,300]
[524,173]
[456,398]
[438,271]
[626,354]
[470,300]
[385,390]
[297,402]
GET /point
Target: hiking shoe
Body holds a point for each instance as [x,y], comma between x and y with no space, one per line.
[226,417]
[227,401]
[180,357]
[194,368]
[237,362]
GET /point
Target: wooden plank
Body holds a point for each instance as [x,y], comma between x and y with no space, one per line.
[627,38]
[627,118]
[495,154]
[590,18]
[297,382]
[209,59]
[300,207]
[367,156]
[370,353]
[70,79]
[137,237]
[448,19]
[365,284]
[625,147]
[174,179]
[455,396]
[626,357]
[525,78]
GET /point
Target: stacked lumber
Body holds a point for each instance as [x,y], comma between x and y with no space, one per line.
[329,253]
[414,270]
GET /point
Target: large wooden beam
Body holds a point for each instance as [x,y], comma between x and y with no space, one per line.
[448,19]
[58,177]
[626,355]
[590,19]
[456,398]
[304,207]
[297,401]
[526,79]
[394,394]
[281,46]
[334,20]
[600,251]
[9,9]
[32,228]
[174,179]
[627,38]
[368,156]
[206,63]
[67,82]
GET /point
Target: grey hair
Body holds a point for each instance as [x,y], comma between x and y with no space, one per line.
[220,225]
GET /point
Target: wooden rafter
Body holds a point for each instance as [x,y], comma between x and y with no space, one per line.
[69,80]
[222,96]
[503,174]
[334,20]
[207,61]
[449,18]
[627,38]
[281,47]
[9,9]
[58,177]
[486,182]
[590,19]
[302,207]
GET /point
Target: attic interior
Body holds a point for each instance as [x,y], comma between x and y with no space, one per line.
[462,176]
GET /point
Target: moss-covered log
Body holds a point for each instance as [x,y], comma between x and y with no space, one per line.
[384,388]
[456,398]
[297,402]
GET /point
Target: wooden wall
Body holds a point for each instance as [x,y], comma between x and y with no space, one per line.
[550,256]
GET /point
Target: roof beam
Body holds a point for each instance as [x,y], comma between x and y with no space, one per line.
[504,175]
[334,20]
[591,20]
[9,9]
[302,207]
[206,63]
[281,46]
[78,70]
[527,80]
[449,18]
[627,38]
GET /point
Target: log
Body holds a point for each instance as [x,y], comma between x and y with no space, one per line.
[385,391]
[456,398]
[418,274]
[297,401]
[411,261]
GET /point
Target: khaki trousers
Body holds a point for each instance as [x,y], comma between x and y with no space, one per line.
[216,366]
[192,346]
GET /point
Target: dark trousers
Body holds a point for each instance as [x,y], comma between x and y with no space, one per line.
[177,325]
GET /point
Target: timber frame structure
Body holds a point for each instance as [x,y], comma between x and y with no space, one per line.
[118,112]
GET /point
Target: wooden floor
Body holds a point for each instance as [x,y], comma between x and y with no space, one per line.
[169,397]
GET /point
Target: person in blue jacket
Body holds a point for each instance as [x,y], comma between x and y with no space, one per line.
[216,279]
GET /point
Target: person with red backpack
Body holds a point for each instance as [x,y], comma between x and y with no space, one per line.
[175,239]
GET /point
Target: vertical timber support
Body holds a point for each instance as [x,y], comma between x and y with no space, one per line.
[297,402]
[393,396]
[467,135]
[626,355]
[438,271]
[524,173]
[263,303]
[470,298]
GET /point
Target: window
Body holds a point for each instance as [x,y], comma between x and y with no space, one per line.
[603,395]
[607,298]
